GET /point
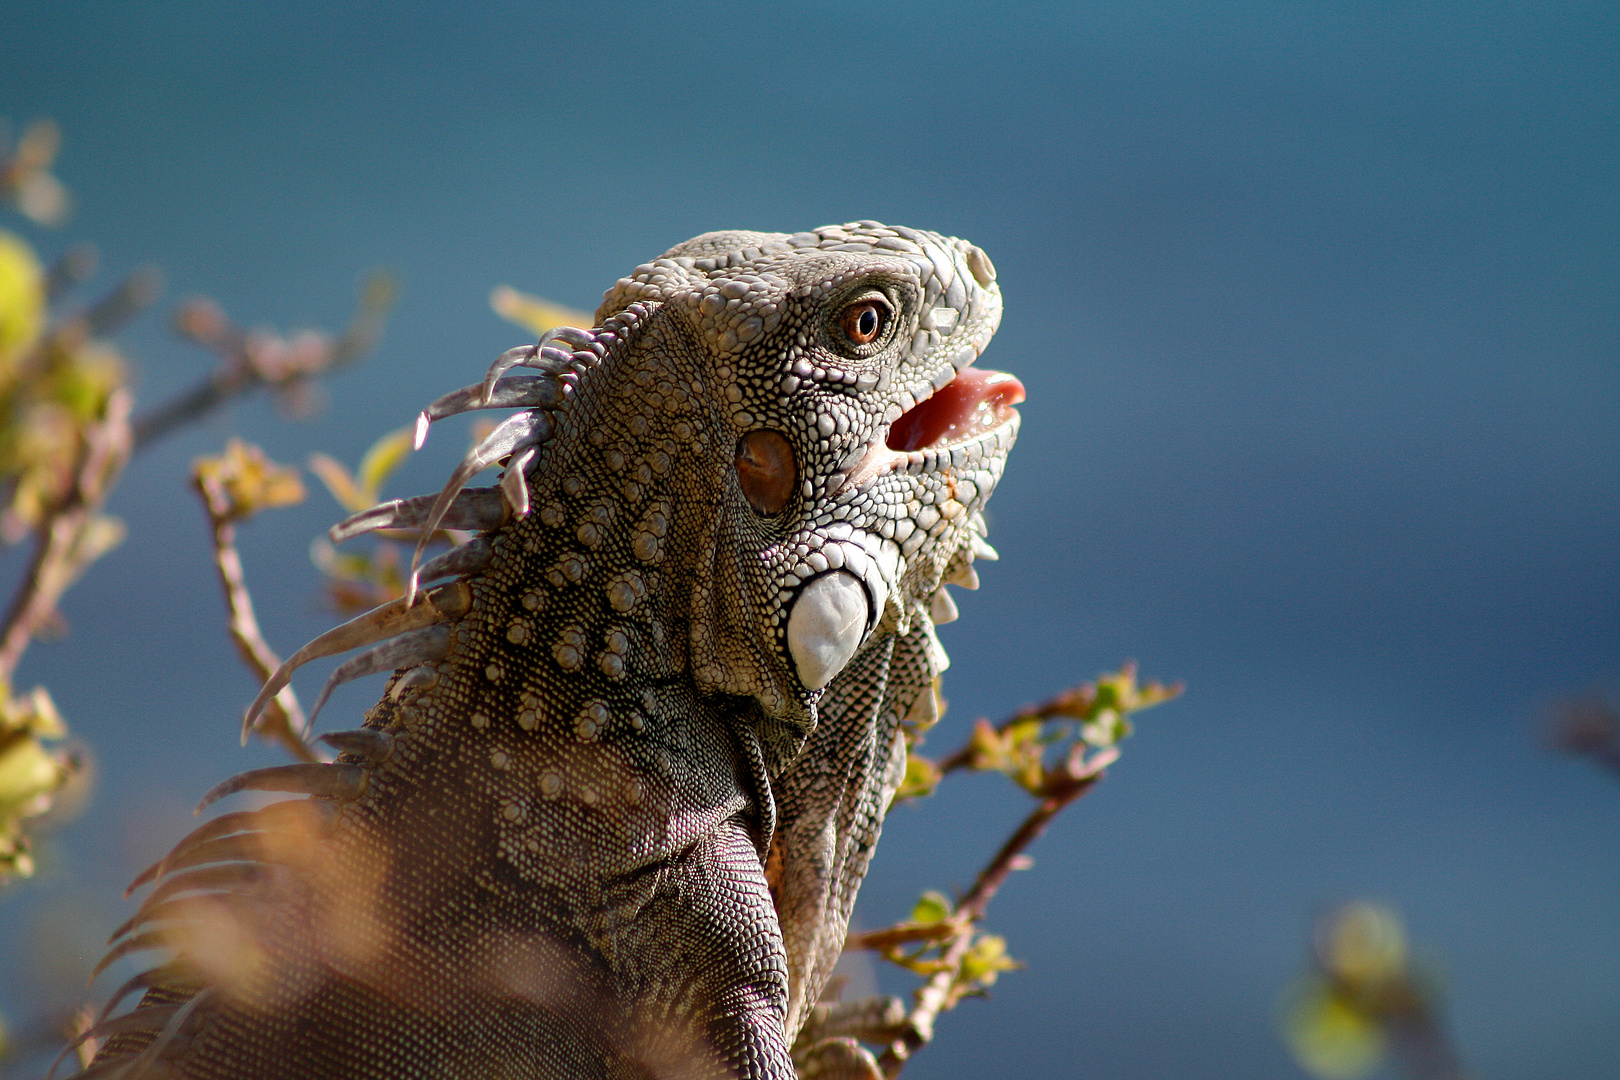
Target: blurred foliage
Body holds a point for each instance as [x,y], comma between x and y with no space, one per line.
[534,314]
[63,440]
[56,378]
[26,181]
[1364,1002]
[66,432]
[1587,726]
[358,581]
[249,481]
[22,298]
[32,773]
[363,488]
[289,366]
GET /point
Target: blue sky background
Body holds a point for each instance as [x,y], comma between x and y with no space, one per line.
[1317,308]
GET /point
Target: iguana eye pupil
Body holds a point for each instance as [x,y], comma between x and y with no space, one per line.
[863,322]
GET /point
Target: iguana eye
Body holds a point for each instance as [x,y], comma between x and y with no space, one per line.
[863,321]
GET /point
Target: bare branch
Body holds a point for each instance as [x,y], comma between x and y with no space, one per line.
[76,264]
[112,312]
[249,361]
[892,937]
[283,719]
[1587,726]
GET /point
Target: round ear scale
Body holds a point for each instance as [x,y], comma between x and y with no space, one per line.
[826,626]
[766,470]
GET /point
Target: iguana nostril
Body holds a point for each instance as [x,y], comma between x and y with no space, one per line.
[766,470]
[826,626]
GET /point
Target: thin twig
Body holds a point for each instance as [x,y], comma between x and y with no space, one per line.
[250,361]
[891,937]
[76,264]
[218,388]
[65,544]
[283,718]
[1061,704]
[139,291]
[1065,791]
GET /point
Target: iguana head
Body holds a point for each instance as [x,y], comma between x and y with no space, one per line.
[769,450]
[851,444]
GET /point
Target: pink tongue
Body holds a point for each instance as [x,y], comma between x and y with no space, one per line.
[973,401]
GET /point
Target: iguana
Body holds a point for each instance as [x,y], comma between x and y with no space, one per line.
[610,815]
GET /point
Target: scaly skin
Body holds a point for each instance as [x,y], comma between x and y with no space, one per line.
[546,853]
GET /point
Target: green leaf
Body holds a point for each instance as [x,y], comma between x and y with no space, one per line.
[385,455]
[1108,729]
[28,774]
[986,960]
[922,777]
[932,907]
[31,775]
[987,748]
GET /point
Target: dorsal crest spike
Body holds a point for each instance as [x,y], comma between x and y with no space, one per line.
[443,604]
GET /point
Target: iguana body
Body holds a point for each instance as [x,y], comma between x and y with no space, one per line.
[611,813]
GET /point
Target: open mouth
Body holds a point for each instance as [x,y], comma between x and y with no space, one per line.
[969,405]
[973,404]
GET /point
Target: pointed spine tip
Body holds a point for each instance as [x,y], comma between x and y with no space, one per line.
[330,781]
